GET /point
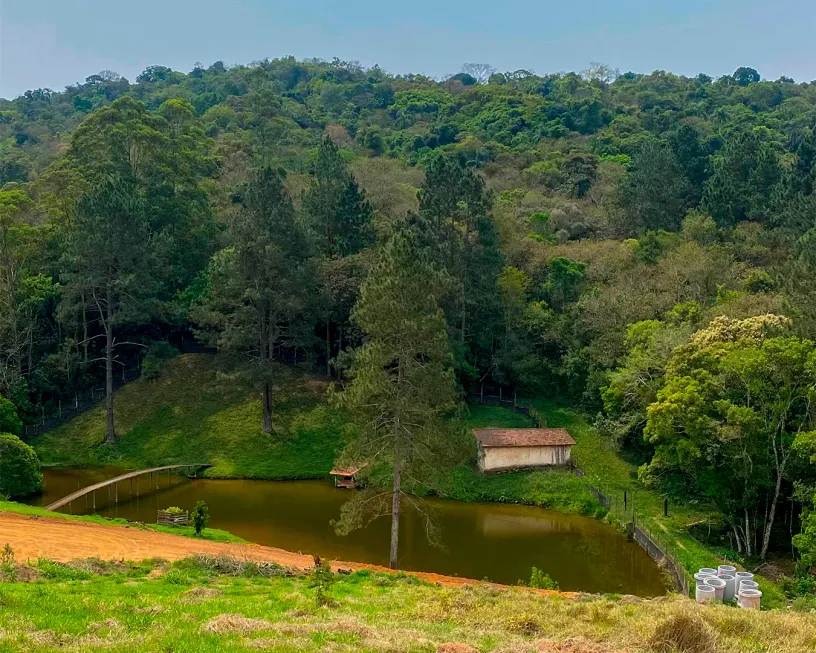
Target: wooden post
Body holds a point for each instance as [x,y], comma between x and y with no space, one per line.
[116,491]
[624,500]
[94,501]
[666,507]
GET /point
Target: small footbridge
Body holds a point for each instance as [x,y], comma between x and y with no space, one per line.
[113,483]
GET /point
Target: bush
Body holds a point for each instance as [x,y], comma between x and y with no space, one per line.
[174,510]
[321,580]
[539,580]
[9,420]
[201,517]
[155,362]
[20,473]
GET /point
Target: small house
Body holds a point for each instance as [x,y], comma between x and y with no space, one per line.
[506,449]
[345,477]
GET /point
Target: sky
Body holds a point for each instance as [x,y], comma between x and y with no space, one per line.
[54,43]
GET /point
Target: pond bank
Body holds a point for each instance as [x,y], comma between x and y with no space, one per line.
[501,542]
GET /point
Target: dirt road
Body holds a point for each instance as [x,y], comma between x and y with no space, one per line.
[63,540]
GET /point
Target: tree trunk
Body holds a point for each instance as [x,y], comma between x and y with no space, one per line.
[267,349]
[747,534]
[395,507]
[84,331]
[328,346]
[766,538]
[268,427]
[110,431]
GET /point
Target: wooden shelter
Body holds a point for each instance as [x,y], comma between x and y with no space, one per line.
[344,477]
[506,449]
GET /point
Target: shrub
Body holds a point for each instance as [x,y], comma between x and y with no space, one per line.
[174,510]
[20,473]
[8,565]
[9,420]
[201,517]
[539,580]
[155,361]
[321,580]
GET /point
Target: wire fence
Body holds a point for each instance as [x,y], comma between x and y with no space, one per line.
[506,402]
[622,507]
[65,409]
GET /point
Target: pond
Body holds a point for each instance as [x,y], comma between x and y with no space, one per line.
[500,542]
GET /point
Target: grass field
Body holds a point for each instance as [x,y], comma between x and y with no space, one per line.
[211,534]
[209,605]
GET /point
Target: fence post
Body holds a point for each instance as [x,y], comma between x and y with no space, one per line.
[666,507]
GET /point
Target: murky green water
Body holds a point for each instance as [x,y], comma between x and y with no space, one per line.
[480,540]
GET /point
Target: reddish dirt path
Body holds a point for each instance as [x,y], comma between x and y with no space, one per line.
[63,540]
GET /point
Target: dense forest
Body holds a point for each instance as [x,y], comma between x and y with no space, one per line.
[643,246]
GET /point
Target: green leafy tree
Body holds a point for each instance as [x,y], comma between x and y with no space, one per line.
[734,401]
[10,422]
[564,279]
[259,286]
[402,380]
[19,467]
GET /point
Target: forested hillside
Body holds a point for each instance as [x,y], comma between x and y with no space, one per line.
[643,246]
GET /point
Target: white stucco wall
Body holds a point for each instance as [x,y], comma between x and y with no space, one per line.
[498,458]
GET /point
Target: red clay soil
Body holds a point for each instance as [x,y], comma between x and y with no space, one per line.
[63,540]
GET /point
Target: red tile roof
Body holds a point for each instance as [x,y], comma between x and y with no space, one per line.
[523,437]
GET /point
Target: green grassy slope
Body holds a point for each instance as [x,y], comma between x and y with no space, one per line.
[194,606]
[196,413]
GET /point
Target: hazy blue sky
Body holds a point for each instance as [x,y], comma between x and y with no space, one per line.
[52,43]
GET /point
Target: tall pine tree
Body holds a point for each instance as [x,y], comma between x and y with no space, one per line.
[455,226]
[259,286]
[341,217]
[402,379]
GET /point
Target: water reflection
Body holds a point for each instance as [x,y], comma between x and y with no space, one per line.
[496,541]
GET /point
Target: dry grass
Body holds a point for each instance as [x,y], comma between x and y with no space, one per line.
[224,624]
[683,633]
[144,615]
